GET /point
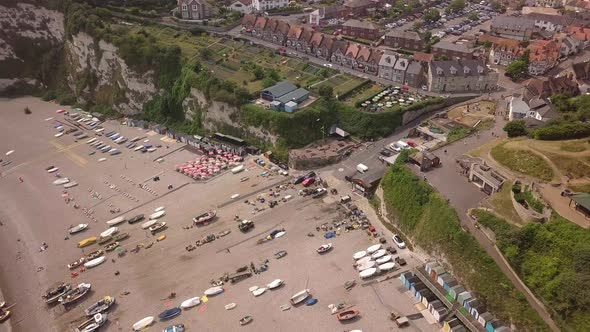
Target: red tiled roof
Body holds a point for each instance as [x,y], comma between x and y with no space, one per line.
[376,56]
[364,54]
[423,57]
[294,32]
[543,50]
[271,25]
[327,42]
[352,50]
[306,34]
[260,22]
[283,27]
[316,38]
[579,32]
[248,20]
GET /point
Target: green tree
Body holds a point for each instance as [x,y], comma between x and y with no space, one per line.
[205,53]
[326,91]
[267,81]
[517,69]
[497,6]
[456,6]
[515,128]
[431,15]
[258,73]
[473,16]
[563,103]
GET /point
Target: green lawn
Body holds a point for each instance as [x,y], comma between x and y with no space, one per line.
[367,92]
[503,206]
[523,161]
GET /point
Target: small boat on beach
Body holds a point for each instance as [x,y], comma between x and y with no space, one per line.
[57,290]
[363,260]
[59,134]
[100,160]
[384,259]
[149,224]
[143,323]
[366,265]
[116,221]
[61,181]
[347,314]
[230,306]
[379,253]
[77,229]
[94,254]
[192,302]
[105,239]
[373,248]
[77,263]
[101,306]
[87,242]
[109,232]
[136,218]
[158,209]
[387,266]
[275,284]
[95,262]
[4,314]
[324,248]
[120,237]
[157,227]
[75,294]
[280,254]
[70,184]
[246,320]
[93,324]
[157,215]
[300,296]
[111,246]
[214,291]
[259,291]
[139,147]
[368,273]
[92,140]
[52,170]
[170,313]
[204,218]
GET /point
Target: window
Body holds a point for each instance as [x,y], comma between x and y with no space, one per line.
[195,8]
[184,7]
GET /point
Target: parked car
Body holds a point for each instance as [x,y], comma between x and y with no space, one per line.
[398,241]
[308,182]
[386,153]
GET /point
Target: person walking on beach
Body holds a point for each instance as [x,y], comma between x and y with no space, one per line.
[21,179]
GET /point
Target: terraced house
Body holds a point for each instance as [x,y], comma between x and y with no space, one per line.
[543,56]
[504,51]
[314,43]
[324,51]
[304,40]
[195,9]
[460,76]
[339,51]
[293,36]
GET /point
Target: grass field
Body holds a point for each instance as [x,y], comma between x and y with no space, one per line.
[523,161]
[503,206]
[572,167]
[367,92]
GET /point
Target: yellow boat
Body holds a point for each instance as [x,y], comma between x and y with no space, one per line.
[87,242]
[161,238]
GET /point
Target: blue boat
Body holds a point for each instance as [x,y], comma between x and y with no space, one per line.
[170,313]
[114,137]
[109,134]
[311,301]
[116,152]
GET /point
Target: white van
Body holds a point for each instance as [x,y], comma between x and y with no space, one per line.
[402,144]
[361,168]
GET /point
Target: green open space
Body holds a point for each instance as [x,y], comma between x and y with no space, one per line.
[523,161]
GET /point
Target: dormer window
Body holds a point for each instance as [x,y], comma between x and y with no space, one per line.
[466,70]
[439,71]
[480,70]
[388,59]
[453,71]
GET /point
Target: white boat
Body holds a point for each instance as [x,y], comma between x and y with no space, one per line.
[119,139]
[61,181]
[368,273]
[52,170]
[364,260]
[157,215]
[252,288]
[373,248]
[159,209]
[359,254]
[116,221]
[70,184]
[149,224]
[366,266]
[324,248]
[151,149]
[105,149]
[146,140]
[78,228]
[386,266]
[99,130]
[234,196]
[275,284]
[384,259]
[379,253]
[138,148]
[230,306]
[300,297]
[59,135]
[101,160]
[92,140]
[109,232]
[134,139]
[111,150]
[95,262]
[214,291]
[237,169]
[192,302]
[93,324]
[142,324]
[280,234]
[259,291]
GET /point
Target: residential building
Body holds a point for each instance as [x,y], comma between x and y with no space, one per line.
[579,33]
[325,49]
[326,15]
[582,70]
[451,51]
[409,40]
[372,66]
[581,203]
[358,8]
[517,28]
[264,5]
[399,70]
[195,9]
[339,49]
[279,37]
[304,39]
[549,3]
[568,45]
[248,22]
[259,25]
[269,29]
[538,109]
[361,29]
[423,58]
[293,36]
[242,6]
[504,51]
[460,76]
[386,65]
[553,23]
[414,75]
[278,90]
[545,87]
[543,56]
[350,56]
[315,42]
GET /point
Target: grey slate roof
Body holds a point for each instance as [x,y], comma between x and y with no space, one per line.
[388,56]
[474,68]
[445,45]
[360,24]
[513,23]
[412,35]
[280,89]
[401,64]
[293,95]
[414,68]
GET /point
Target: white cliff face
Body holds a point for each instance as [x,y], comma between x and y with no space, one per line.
[125,89]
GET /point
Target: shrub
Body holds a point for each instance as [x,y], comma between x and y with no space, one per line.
[563,131]
[515,128]
[27,110]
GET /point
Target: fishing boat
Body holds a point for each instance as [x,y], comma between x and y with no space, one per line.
[324,248]
[94,254]
[105,149]
[157,227]
[70,185]
[9,152]
[151,149]
[158,209]
[223,232]
[259,291]
[75,294]
[77,263]
[136,218]
[192,302]
[4,314]
[61,181]
[214,291]
[116,152]
[347,314]
[246,320]
[379,253]
[149,224]
[116,221]
[111,231]
[161,238]
[134,139]
[157,215]
[56,291]
[95,262]
[204,218]
[143,323]
[111,246]
[368,273]
[300,297]
[120,237]
[105,239]
[280,234]
[87,242]
[363,260]
[275,284]
[169,313]
[387,266]
[230,306]
[280,254]
[52,170]
[93,324]
[101,306]
[77,229]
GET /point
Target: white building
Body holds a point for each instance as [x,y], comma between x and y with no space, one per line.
[264,5]
[242,6]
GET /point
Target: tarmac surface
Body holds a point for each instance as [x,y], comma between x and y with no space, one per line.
[35,211]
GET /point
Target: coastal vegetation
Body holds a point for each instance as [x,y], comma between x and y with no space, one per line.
[425,216]
[553,259]
[522,161]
